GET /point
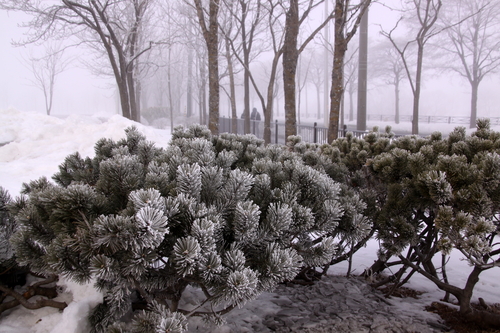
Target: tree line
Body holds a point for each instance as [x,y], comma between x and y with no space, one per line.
[149,46]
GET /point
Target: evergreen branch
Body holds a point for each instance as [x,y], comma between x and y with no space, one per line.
[440,284]
[354,249]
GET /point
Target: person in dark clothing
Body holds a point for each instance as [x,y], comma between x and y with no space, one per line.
[255,115]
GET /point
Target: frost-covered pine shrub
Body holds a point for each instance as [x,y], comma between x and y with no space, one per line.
[225,214]
[13,288]
[7,227]
[440,194]
[361,194]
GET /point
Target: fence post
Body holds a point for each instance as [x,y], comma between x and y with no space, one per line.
[315,135]
[345,130]
[276,132]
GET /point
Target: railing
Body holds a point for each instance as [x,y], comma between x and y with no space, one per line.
[313,134]
[319,134]
[428,119]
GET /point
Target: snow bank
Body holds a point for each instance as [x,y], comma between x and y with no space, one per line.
[33,145]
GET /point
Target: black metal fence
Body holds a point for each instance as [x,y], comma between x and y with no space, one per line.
[308,133]
[428,119]
[319,134]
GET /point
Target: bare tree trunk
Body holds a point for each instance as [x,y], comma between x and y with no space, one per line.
[203,96]
[189,92]
[298,90]
[337,89]
[124,103]
[48,98]
[51,92]
[211,34]
[362,73]
[396,98]
[169,84]
[268,111]
[318,101]
[131,92]
[246,98]
[342,39]
[351,105]
[138,95]
[246,70]
[290,59]
[232,97]
[473,104]
[213,70]
[416,94]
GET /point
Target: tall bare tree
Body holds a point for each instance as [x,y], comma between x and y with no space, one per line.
[362,73]
[267,21]
[296,14]
[208,21]
[273,15]
[111,27]
[232,86]
[474,43]
[347,19]
[426,13]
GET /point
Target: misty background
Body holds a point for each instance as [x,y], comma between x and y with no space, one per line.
[80,91]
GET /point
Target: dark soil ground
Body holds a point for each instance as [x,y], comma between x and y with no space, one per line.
[449,314]
[458,323]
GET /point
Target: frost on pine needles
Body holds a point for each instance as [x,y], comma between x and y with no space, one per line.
[224,214]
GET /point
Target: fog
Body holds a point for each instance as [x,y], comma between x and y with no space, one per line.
[78,91]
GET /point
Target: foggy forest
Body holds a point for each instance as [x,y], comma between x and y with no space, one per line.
[299,62]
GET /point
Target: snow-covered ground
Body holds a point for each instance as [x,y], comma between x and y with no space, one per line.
[33,145]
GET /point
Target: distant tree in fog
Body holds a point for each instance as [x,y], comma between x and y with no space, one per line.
[421,16]
[351,66]
[45,69]
[388,66]
[317,79]
[247,17]
[474,43]
[303,74]
[227,27]
[111,27]
[273,30]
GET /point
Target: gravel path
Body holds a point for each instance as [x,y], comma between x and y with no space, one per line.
[334,304]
